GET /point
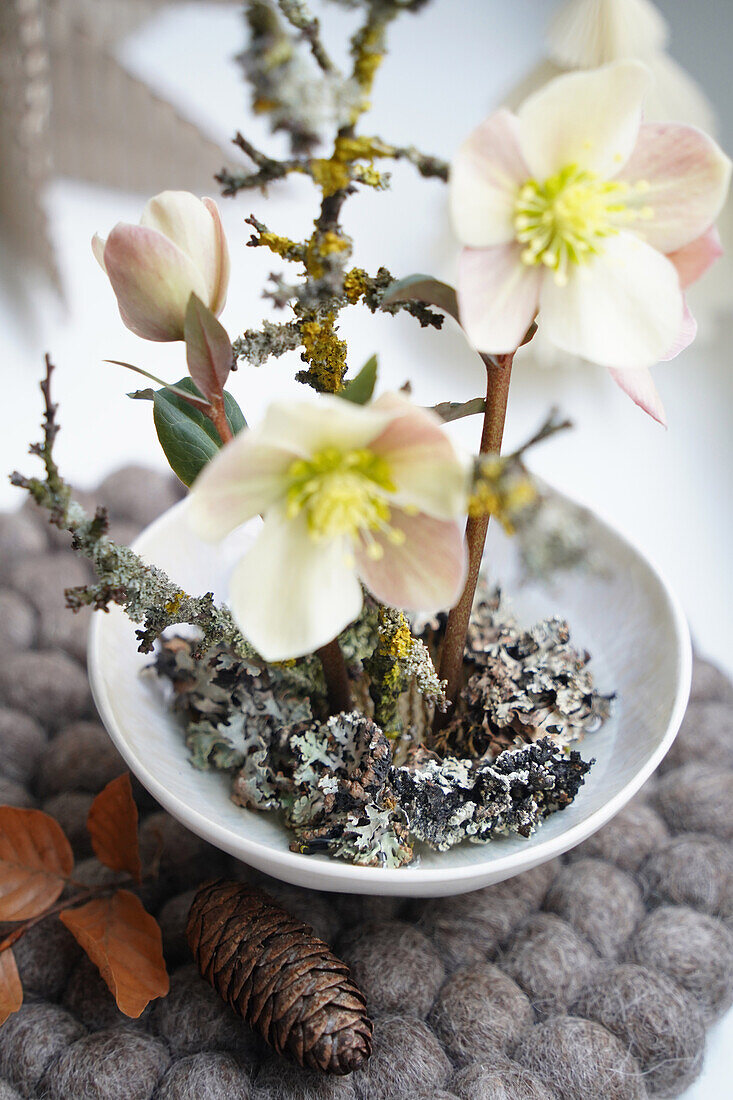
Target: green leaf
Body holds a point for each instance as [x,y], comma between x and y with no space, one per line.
[187,437]
[360,388]
[423,288]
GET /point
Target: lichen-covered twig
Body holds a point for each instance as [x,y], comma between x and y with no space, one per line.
[146,593]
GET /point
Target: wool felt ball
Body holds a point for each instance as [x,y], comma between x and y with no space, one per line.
[48,685]
[690,870]
[7,1092]
[471,928]
[602,902]
[14,794]
[172,919]
[21,535]
[355,909]
[71,809]
[22,742]
[115,1064]
[317,910]
[626,840]
[209,1076]
[693,950]
[697,798]
[82,758]
[31,1039]
[708,682]
[550,961]
[505,1080]
[45,957]
[281,1080]
[660,1025]
[396,966]
[705,736]
[193,1017]
[42,578]
[139,494]
[479,1010]
[406,1059]
[185,859]
[580,1059]
[434,1094]
[19,619]
[87,996]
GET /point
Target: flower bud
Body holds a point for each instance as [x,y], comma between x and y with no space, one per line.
[178,249]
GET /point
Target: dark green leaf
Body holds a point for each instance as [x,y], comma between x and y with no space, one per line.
[423,288]
[187,436]
[360,388]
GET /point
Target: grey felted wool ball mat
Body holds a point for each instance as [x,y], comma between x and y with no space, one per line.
[591,978]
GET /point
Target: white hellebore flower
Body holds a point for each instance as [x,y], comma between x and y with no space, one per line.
[179,248]
[574,208]
[348,494]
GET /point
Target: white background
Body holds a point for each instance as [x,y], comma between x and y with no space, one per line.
[671,491]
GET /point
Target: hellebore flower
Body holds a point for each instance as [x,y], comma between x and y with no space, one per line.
[348,494]
[575,209]
[179,248]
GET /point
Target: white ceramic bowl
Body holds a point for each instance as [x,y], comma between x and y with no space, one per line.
[626,616]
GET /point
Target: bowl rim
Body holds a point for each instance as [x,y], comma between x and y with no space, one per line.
[334,874]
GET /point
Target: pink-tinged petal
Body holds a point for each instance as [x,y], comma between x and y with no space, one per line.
[290,594]
[685,336]
[98,244]
[498,296]
[152,279]
[623,308]
[245,479]
[424,466]
[309,426]
[588,119]
[638,383]
[485,176]
[693,260]
[189,223]
[425,573]
[684,178]
[219,290]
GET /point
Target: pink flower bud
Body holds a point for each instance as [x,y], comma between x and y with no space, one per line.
[178,249]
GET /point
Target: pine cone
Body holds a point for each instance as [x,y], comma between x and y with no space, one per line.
[272,970]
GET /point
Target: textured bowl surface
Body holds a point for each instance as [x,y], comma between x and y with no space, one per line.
[624,614]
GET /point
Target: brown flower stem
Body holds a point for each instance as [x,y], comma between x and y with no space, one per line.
[218,418]
[337,676]
[498,377]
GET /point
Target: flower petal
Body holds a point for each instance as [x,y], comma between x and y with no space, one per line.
[189,223]
[623,308]
[98,244]
[687,176]
[685,336]
[308,426]
[485,176]
[245,479]
[588,119]
[585,33]
[693,260]
[290,594]
[638,383]
[498,296]
[426,573]
[427,471]
[219,291]
[152,279]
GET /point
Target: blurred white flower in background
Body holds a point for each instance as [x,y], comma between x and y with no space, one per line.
[584,34]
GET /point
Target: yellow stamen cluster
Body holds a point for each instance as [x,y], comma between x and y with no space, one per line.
[344,493]
[564,219]
[502,490]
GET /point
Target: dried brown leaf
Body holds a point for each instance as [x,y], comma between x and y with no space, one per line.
[124,943]
[11,990]
[35,859]
[112,825]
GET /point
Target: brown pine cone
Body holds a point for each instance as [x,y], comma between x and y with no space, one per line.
[272,970]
